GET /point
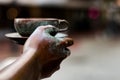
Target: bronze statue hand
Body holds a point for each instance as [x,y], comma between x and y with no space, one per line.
[49,49]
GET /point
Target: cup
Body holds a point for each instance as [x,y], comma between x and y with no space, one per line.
[25,26]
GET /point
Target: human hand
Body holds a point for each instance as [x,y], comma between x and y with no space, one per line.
[50,50]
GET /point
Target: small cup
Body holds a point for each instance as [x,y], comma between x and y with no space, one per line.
[25,26]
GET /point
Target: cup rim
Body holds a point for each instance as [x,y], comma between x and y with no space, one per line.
[30,19]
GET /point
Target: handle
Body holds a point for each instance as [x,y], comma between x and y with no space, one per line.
[63,25]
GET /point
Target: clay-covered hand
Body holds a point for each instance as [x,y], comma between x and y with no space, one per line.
[50,50]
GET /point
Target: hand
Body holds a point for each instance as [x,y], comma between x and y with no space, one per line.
[50,50]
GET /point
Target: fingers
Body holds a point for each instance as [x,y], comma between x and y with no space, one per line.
[52,31]
[49,29]
[41,33]
[65,42]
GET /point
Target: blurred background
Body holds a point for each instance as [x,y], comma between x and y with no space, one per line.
[94,26]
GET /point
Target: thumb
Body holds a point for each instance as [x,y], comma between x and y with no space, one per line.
[51,30]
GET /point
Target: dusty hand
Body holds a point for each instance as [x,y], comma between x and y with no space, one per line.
[50,50]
